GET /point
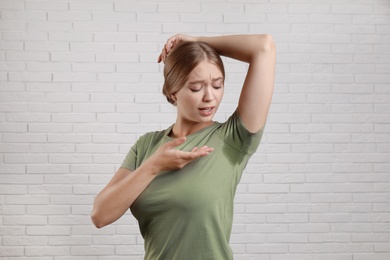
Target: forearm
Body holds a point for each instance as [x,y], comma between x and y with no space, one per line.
[114,200]
[241,47]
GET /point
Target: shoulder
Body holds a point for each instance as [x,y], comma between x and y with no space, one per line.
[234,133]
[150,139]
[235,123]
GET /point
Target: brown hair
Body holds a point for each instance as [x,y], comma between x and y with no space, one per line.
[182,60]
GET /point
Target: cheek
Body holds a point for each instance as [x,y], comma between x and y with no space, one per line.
[188,100]
[219,95]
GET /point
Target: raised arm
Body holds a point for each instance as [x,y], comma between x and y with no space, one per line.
[257,90]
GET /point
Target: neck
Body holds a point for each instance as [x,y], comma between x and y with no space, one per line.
[182,129]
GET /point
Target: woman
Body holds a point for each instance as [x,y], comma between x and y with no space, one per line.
[180,183]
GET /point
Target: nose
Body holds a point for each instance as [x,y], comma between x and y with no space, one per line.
[208,94]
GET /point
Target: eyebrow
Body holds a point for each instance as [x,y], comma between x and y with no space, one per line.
[202,81]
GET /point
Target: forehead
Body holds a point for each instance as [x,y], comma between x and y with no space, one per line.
[205,71]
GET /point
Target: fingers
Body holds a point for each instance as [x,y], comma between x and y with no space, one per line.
[174,143]
[162,56]
[204,150]
[168,46]
[195,153]
[170,43]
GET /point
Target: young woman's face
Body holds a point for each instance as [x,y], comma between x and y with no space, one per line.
[198,100]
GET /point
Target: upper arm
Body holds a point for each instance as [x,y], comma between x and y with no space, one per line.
[256,93]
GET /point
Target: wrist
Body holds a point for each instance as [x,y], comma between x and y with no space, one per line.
[150,167]
[199,38]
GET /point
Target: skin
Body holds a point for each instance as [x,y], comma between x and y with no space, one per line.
[254,102]
[199,99]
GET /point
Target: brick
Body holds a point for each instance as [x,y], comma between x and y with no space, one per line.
[74,240]
[122,118]
[183,27]
[69,16]
[139,27]
[209,17]
[12,169]
[70,200]
[71,36]
[66,179]
[118,77]
[70,56]
[49,26]
[13,127]
[47,46]
[13,189]
[92,87]
[12,25]
[70,77]
[95,27]
[25,241]
[136,47]
[74,117]
[64,98]
[309,228]
[24,220]
[355,29]
[91,6]
[24,36]
[27,56]
[12,251]
[25,158]
[46,250]
[117,57]
[23,138]
[92,168]
[30,76]
[352,9]
[119,16]
[11,46]
[49,189]
[233,28]
[95,128]
[312,8]
[114,37]
[14,5]
[373,256]
[47,169]
[46,66]
[92,250]
[14,148]
[91,47]
[40,108]
[99,148]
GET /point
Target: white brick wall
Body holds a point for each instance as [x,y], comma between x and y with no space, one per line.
[79,83]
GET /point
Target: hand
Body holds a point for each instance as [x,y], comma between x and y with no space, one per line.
[172,42]
[167,158]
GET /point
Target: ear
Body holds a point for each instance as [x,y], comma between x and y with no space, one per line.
[173,97]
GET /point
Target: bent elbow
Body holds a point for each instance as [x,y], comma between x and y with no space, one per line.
[97,220]
[267,42]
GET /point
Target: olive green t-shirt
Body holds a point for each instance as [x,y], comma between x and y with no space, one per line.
[188,213]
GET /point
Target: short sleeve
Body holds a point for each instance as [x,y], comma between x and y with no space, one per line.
[131,158]
[234,133]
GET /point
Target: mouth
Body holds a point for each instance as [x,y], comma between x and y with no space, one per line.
[206,108]
[206,111]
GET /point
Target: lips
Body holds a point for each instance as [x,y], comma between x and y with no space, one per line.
[206,111]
